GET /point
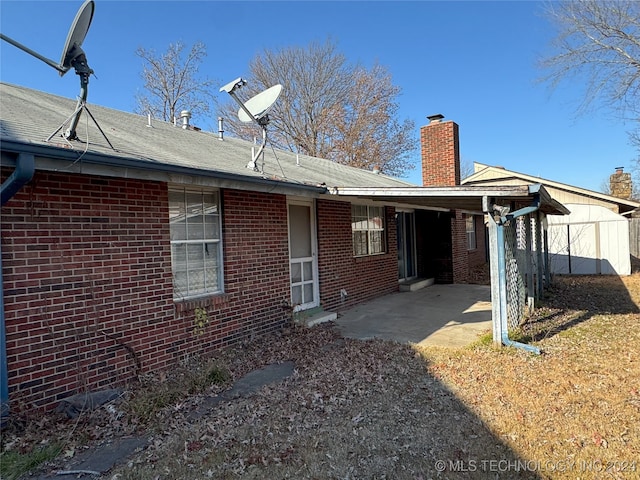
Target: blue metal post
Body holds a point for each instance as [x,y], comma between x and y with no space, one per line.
[25,168]
[502,282]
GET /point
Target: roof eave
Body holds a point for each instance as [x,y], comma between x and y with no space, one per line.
[11,148]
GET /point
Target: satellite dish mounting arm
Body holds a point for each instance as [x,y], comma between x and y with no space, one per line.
[49,62]
[262,122]
[72,56]
[79,63]
[260,104]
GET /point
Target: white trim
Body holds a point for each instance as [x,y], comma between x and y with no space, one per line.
[306,202]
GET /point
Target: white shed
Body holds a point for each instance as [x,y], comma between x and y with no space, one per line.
[591,240]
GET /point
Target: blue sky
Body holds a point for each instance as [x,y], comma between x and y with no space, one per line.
[474,62]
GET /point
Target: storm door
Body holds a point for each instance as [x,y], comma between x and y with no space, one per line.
[303,266]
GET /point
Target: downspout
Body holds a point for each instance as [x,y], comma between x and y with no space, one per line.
[25,168]
[502,275]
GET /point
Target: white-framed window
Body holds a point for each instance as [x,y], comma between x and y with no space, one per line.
[196,242]
[471,232]
[367,226]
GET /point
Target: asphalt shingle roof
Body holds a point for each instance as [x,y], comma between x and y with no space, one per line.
[30,116]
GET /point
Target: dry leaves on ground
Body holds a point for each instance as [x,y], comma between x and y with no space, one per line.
[377,409]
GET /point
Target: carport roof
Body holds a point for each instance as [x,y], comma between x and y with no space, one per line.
[462,197]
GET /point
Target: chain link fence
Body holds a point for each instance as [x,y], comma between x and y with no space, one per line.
[519,271]
[515,252]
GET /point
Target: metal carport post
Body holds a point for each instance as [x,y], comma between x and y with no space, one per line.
[497,261]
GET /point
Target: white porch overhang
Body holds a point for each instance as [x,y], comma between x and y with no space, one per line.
[461,197]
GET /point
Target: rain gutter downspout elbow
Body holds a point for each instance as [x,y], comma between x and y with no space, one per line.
[25,168]
[23,173]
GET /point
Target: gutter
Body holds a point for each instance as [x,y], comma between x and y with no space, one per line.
[23,173]
[148,165]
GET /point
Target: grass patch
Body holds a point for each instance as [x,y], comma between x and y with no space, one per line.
[15,464]
[156,393]
[484,341]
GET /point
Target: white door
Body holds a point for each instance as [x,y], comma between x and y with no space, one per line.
[303,265]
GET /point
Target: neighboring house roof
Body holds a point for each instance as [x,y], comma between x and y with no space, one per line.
[488,175]
[165,152]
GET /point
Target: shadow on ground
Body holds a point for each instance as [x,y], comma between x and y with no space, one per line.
[347,409]
[572,300]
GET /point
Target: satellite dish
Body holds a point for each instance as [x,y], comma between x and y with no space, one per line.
[72,48]
[72,56]
[260,105]
[76,36]
[255,110]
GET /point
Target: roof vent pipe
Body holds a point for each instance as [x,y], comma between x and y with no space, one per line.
[185,115]
[149,120]
[376,169]
[220,128]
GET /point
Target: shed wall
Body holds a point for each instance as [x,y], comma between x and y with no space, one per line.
[591,240]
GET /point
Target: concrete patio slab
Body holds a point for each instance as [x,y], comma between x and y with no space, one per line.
[440,315]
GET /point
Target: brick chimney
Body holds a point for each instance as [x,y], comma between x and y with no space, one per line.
[620,184]
[440,148]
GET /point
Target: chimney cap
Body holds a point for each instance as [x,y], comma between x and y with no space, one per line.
[619,169]
[435,118]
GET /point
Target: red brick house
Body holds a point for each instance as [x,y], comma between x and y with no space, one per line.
[125,256]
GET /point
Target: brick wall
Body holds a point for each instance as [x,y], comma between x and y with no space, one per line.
[459,251]
[479,255]
[363,278]
[88,287]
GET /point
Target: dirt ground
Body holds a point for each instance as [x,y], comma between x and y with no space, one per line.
[381,410]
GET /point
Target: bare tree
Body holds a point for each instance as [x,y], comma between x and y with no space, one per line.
[172,83]
[330,109]
[598,42]
[466,168]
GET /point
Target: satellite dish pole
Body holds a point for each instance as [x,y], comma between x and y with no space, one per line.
[255,110]
[72,56]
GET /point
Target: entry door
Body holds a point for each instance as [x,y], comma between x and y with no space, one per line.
[302,255]
[406,245]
